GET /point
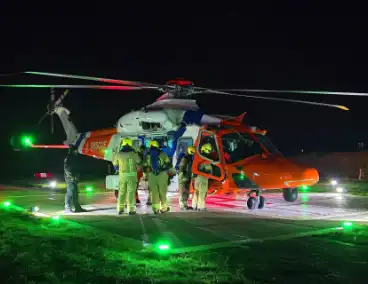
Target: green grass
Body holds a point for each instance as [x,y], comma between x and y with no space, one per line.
[41,250]
[36,250]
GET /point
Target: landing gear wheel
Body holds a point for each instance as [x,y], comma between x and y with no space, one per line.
[290,194]
[252,203]
[261,202]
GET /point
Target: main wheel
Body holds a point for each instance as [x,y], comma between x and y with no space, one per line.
[290,194]
[262,202]
[252,203]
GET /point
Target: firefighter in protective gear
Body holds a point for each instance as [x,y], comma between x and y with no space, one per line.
[185,177]
[201,182]
[142,151]
[127,162]
[157,165]
[71,176]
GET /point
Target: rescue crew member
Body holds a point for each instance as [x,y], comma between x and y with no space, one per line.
[201,182]
[157,165]
[127,162]
[71,178]
[185,177]
[142,153]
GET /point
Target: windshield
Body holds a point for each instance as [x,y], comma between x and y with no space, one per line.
[239,146]
[266,142]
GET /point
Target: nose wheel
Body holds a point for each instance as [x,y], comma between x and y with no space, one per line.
[256,201]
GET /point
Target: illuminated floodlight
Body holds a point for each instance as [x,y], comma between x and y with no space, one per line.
[7,203]
[53,184]
[333,182]
[339,190]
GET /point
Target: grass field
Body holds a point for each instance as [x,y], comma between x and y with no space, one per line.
[42,250]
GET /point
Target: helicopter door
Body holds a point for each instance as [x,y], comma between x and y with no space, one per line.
[212,158]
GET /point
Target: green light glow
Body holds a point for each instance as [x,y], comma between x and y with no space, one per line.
[163,247]
[89,188]
[347,224]
[7,203]
[304,187]
[56,218]
[27,141]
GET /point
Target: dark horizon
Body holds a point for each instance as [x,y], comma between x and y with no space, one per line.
[271,53]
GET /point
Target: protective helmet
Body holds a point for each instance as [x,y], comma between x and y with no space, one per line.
[127,142]
[154,144]
[206,148]
[191,150]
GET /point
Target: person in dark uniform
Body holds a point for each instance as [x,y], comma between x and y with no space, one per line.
[71,176]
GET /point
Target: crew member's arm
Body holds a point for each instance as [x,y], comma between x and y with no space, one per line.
[147,163]
[182,168]
[115,162]
[138,162]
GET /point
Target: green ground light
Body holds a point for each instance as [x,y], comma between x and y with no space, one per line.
[163,247]
[89,188]
[347,225]
[7,203]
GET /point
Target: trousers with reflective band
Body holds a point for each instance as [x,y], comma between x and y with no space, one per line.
[158,188]
[200,192]
[127,192]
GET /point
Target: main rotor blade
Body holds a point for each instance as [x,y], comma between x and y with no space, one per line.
[277,99]
[98,87]
[97,79]
[297,92]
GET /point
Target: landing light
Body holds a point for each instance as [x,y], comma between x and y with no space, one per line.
[53,184]
[340,190]
[333,182]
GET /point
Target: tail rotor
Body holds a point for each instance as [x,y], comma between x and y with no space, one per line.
[53,104]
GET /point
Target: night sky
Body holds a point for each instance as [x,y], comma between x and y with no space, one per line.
[231,49]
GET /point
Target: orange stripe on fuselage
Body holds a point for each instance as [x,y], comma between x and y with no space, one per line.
[103,132]
[95,146]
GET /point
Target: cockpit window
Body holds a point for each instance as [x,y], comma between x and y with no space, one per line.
[266,142]
[239,146]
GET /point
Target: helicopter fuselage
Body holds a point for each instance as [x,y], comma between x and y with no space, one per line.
[243,157]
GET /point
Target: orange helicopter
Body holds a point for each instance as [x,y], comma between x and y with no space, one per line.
[243,160]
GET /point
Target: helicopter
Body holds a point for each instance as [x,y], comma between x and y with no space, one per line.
[244,159]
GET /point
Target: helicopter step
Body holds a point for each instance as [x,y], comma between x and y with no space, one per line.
[257,202]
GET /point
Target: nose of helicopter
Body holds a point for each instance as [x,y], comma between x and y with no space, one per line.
[308,176]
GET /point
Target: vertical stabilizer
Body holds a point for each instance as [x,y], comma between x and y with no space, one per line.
[69,127]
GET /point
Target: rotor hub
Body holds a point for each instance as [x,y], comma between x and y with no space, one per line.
[181,88]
